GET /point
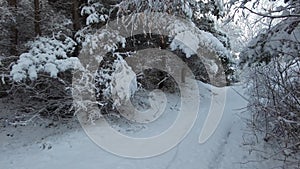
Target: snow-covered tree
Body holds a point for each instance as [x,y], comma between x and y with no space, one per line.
[196,33]
[50,55]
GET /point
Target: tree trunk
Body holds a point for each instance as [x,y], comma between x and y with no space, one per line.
[37,18]
[76,21]
[75,15]
[13,29]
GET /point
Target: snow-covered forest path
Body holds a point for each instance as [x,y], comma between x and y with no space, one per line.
[36,147]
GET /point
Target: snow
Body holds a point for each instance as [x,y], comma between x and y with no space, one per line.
[190,39]
[187,9]
[187,42]
[106,39]
[47,55]
[93,18]
[120,88]
[87,10]
[59,147]
[94,12]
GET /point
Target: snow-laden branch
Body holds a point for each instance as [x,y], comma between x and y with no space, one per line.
[270,16]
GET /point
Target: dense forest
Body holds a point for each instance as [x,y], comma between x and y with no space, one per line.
[55,54]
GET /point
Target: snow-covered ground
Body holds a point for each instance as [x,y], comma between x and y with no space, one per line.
[66,146]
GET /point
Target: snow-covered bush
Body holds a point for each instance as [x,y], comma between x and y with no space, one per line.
[274,92]
[46,55]
[100,48]
[271,62]
[95,12]
[45,97]
[42,76]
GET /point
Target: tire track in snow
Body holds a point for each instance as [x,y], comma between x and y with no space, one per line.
[219,156]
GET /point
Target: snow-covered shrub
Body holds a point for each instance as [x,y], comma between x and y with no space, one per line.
[274,92]
[271,67]
[95,12]
[272,64]
[42,76]
[100,47]
[45,97]
[46,55]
